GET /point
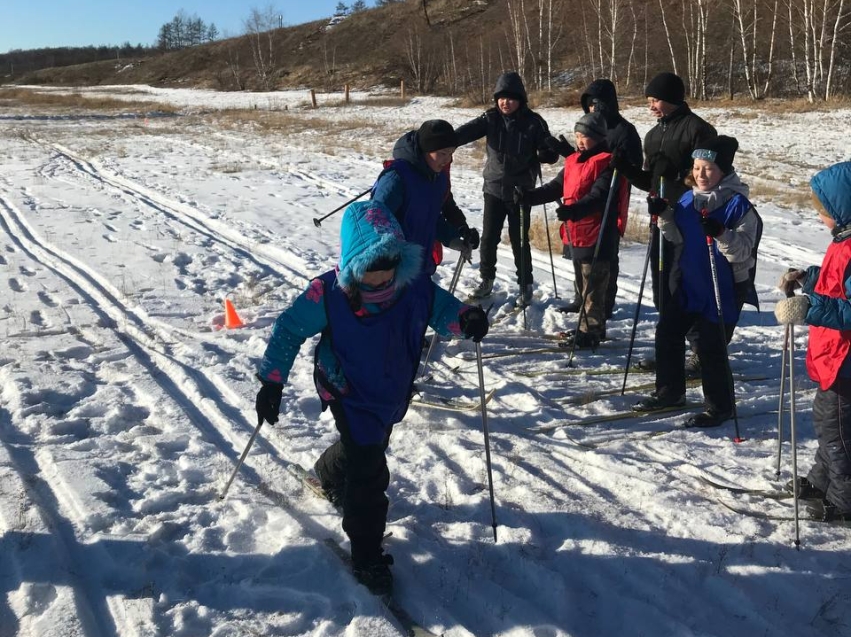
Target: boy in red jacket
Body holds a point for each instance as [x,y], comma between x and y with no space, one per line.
[583,186]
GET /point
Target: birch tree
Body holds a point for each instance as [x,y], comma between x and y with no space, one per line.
[259,27]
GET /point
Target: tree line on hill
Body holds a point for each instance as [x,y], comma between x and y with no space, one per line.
[18,62]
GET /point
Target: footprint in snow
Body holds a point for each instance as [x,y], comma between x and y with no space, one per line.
[110,238]
[46,299]
[16,285]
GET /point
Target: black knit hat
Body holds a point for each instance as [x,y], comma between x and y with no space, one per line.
[667,87]
[720,150]
[436,134]
[592,125]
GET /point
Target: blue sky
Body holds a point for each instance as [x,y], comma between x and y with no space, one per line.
[30,24]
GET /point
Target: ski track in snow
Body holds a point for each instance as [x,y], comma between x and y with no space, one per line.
[123,411]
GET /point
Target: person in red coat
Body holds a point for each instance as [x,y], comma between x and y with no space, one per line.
[825,306]
[583,186]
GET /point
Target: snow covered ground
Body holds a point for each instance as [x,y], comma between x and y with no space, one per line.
[124,405]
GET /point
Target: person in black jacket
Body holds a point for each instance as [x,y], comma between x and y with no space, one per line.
[622,137]
[516,147]
[667,157]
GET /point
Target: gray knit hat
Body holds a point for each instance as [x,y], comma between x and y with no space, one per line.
[592,125]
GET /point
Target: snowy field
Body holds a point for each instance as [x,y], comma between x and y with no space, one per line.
[124,404]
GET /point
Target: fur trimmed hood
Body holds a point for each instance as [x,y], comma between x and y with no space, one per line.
[369,231]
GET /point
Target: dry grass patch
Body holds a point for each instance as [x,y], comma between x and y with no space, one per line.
[77,100]
[784,195]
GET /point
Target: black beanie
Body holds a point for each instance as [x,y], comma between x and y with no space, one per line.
[592,125]
[667,87]
[436,134]
[720,150]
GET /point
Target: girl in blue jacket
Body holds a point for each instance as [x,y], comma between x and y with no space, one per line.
[717,206]
[372,312]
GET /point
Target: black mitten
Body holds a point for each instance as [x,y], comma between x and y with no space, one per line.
[268,401]
[474,323]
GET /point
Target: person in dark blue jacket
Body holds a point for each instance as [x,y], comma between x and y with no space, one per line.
[415,187]
[717,207]
[372,312]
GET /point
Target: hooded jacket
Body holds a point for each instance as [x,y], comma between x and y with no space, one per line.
[420,199]
[622,136]
[829,287]
[367,355]
[515,143]
[734,250]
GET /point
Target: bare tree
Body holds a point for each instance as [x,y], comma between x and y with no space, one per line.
[517,35]
[668,36]
[259,27]
[421,62]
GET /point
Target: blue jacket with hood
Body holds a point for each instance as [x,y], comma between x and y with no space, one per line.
[368,354]
[415,194]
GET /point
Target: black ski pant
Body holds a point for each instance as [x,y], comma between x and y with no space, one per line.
[360,473]
[496,211]
[832,421]
[671,334]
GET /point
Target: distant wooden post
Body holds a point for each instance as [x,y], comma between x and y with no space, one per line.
[347,93]
[313,97]
[402,89]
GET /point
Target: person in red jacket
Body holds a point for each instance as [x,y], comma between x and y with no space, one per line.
[583,186]
[825,306]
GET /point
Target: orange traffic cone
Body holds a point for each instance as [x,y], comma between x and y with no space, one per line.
[232,319]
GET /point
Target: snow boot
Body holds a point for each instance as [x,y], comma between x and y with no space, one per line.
[584,340]
[375,574]
[333,490]
[825,511]
[524,297]
[571,308]
[655,402]
[806,489]
[693,366]
[709,418]
[483,289]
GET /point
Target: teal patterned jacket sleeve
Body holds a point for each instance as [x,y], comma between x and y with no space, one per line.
[446,313]
[306,317]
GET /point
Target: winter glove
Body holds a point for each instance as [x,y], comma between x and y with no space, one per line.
[712,227]
[791,280]
[519,196]
[656,205]
[470,236]
[566,212]
[663,170]
[621,163]
[792,311]
[268,401]
[474,323]
[560,145]
[463,247]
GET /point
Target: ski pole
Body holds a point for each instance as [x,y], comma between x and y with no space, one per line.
[710,244]
[783,363]
[523,242]
[653,222]
[435,337]
[792,431]
[242,457]
[318,221]
[549,241]
[587,286]
[483,400]
[661,264]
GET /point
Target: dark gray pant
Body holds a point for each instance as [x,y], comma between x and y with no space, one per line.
[496,211]
[832,421]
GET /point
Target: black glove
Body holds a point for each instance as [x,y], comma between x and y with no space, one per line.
[519,196]
[474,323]
[566,213]
[791,280]
[656,205]
[560,145]
[712,227]
[470,236]
[268,401]
[662,168]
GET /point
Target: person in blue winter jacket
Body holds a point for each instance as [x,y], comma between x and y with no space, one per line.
[415,187]
[372,312]
[716,207]
[825,305]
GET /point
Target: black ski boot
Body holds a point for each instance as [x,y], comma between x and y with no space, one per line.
[806,489]
[375,574]
[825,511]
[710,418]
[655,402]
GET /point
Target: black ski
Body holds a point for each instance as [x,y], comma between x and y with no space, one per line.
[591,396]
[450,404]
